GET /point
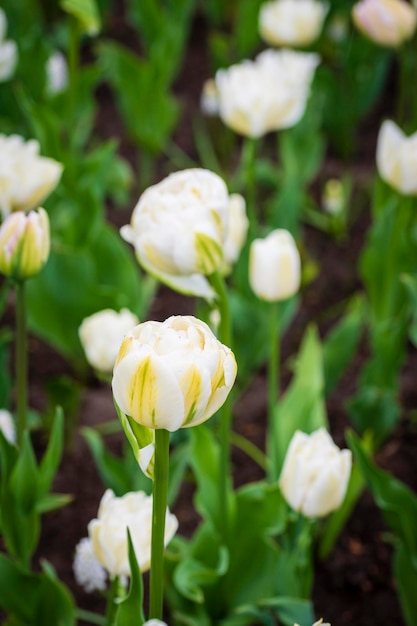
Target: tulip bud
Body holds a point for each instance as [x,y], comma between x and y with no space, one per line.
[178,229]
[56,73]
[274,266]
[108,532]
[8,51]
[333,196]
[396,158]
[101,335]
[24,244]
[386,22]
[7,426]
[173,374]
[315,474]
[289,23]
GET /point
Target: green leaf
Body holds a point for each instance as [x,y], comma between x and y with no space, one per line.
[130,609]
[292,610]
[341,343]
[52,502]
[405,572]
[302,407]
[52,457]
[86,12]
[396,501]
[24,479]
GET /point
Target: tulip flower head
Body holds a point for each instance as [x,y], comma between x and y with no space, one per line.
[8,51]
[24,244]
[396,158]
[173,374]
[178,229]
[108,532]
[386,22]
[26,178]
[315,474]
[101,335]
[267,94]
[274,266]
[291,23]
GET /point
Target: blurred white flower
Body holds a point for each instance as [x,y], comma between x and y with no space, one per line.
[101,335]
[178,229]
[291,22]
[209,101]
[270,93]
[88,571]
[386,22]
[157,622]
[396,158]
[315,473]
[108,532]
[7,426]
[56,73]
[236,232]
[274,266]
[8,51]
[26,178]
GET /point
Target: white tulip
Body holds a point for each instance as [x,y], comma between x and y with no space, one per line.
[237,230]
[108,532]
[178,229]
[291,22]
[274,266]
[173,374]
[7,426]
[101,335]
[268,94]
[88,571]
[315,474]
[56,73]
[25,177]
[386,22]
[396,158]
[8,51]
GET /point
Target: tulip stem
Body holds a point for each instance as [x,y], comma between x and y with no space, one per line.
[160,493]
[273,388]
[111,601]
[248,167]
[21,361]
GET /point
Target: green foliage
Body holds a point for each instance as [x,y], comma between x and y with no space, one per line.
[302,406]
[398,505]
[130,609]
[86,12]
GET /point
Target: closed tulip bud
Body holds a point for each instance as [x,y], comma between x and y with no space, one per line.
[173,374]
[274,266]
[178,229]
[236,232]
[396,158]
[333,196]
[108,532]
[24,244]
[386,22]
[315,474]
[268,94]
[101,335]
[26,178]
[289,23]
[8,51]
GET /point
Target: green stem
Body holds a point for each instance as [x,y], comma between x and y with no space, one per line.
[21,361]
[249,448]
[248,160]
[90,618]
[225,336]
[111,601]
[73,73]
[273,389]
[160,493]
